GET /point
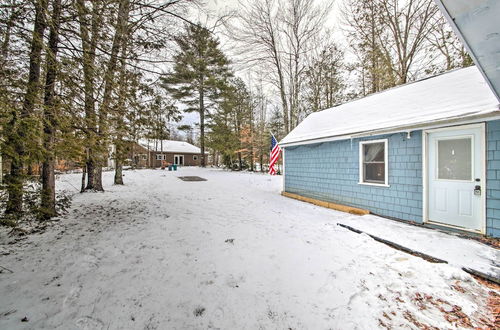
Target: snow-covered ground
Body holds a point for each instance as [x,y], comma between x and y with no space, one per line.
[228,253]
[456,250]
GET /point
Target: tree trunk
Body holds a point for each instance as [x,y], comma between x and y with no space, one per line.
[261,160]
[202,126]
[14,182]
[122,93]
[7,32]
[109,84]
[18,127]
[252,129]
[98,178]
[134,163]
[84,174]
[90,172]
[48,200]
[118,171]
[89,45]
[284,103]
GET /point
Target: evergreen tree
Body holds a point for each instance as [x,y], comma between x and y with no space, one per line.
[199,75]
[22,124]
[230,129]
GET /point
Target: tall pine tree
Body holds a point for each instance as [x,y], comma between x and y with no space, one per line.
[199,74]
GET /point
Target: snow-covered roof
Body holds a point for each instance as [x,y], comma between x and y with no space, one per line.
[460,94]
[170,146]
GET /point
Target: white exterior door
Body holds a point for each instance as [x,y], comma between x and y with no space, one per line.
[455,177]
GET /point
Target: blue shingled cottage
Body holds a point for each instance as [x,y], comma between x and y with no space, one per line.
[427,152]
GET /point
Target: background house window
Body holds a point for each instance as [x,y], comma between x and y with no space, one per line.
[373,162]
[144,157]
[195,157]
[160,157]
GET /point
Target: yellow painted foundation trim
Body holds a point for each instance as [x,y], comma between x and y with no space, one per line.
[334,206]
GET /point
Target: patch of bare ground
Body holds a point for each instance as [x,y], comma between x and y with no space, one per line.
[486,318]
[411,318]
[494,242]
[493,304]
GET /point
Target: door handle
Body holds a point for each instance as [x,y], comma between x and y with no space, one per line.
[477,190]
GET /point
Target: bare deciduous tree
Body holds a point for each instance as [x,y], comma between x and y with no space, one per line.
[409,22]
[365,34]
[324,81]
[277,36]
[444,40]
[390,39]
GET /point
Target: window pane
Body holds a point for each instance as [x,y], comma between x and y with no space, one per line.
[374,152]
[454,159]
[375,172]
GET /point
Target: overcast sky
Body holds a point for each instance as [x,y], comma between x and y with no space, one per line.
[216,8]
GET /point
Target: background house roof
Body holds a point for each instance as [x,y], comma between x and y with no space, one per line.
[170,146]
[458,94]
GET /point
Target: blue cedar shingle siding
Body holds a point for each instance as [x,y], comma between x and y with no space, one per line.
[330,171]
[493,179]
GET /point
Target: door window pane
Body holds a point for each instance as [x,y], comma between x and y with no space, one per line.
[455,159]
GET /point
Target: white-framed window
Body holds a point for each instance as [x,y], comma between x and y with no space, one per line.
[195,157]
[373,163]
[144,157]
[161,157]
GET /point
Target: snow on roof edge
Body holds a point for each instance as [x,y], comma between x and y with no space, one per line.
[456,94]
[394,129]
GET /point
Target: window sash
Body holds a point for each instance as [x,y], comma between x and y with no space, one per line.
[368,169]
[373,171]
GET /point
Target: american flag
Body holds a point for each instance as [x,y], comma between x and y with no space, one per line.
[275,154]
